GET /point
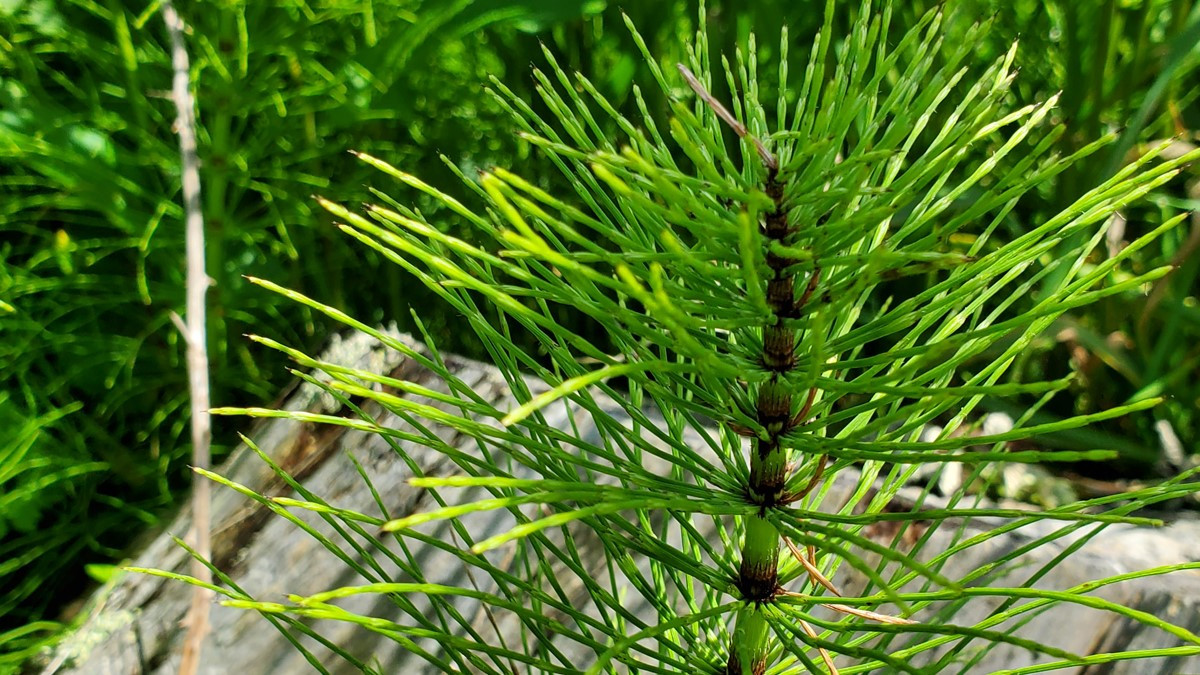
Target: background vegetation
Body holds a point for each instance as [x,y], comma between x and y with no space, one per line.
[93,410]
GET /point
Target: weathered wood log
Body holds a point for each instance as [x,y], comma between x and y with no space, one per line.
[134,626]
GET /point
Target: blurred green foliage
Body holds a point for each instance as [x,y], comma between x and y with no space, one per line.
[1130,67]
[93,409]
[93,414]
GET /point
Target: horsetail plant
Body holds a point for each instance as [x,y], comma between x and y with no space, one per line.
[750,305]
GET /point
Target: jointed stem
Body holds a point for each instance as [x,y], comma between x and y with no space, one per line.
[769,465]
[758,575]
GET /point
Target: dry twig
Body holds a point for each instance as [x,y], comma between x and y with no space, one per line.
[194,332]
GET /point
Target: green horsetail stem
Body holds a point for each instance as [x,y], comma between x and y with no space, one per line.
[759,571]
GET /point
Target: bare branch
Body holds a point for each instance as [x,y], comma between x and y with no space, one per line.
[824,654]
[738,128]
[197,352]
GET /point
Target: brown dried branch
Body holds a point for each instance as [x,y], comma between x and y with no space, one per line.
[824,654]
[195,334]
[768,159]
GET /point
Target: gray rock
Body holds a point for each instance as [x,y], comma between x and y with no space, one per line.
[134,624]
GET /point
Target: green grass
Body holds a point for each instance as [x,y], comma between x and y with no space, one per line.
[93,416]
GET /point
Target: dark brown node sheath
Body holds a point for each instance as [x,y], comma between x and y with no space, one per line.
[758,583]
[734,667]
[767,482]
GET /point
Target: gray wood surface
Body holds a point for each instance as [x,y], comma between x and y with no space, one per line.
[134,625]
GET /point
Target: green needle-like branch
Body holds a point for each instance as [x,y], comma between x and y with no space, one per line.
[726,365]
